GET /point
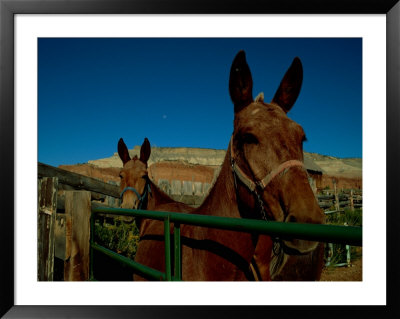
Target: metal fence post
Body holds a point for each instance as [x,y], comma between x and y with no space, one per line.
[167,249]
[177,252]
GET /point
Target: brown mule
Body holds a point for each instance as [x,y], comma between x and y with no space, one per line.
[261,177]
[137,189]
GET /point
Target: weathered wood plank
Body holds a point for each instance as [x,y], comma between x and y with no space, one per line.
[47,206]
[336,195]
[78,181]
[61,203]
[77,248]
[351,201]
[59,236]
[95,196]
[325,197]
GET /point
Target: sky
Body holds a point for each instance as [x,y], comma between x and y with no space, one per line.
[174,91]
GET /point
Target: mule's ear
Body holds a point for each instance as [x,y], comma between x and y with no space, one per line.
[145,151]
[240,82]
[123,151]
[290,86]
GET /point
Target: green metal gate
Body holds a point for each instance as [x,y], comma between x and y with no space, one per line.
[322,233]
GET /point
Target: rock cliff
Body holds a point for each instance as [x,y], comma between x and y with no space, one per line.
[189,172]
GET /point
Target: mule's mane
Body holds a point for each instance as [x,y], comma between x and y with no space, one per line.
[259,97]
[159,194]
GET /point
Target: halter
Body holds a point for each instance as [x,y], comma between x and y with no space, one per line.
[258,186]
[263,183]
[142,197]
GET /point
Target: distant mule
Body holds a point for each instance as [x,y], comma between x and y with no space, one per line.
[262,177]
[137,189]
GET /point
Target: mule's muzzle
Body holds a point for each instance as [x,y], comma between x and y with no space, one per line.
[294,246]
[132,203]
[298,246]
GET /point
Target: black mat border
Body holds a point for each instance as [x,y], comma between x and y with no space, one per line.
[11,7]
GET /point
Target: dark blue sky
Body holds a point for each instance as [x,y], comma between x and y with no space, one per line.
[175,92]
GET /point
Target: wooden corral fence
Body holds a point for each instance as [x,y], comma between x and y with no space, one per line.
[63,223]
[334,200]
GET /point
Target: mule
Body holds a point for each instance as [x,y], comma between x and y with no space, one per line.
[136,188]
[262,177]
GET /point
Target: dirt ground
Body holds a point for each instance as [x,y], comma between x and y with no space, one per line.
[353,273]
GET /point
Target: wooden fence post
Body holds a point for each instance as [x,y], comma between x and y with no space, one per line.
[337,206]
[77,250]
[313,185]
[47,206]
[351,201]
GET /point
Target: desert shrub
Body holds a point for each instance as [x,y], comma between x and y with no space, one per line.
[120,237]
[350,218]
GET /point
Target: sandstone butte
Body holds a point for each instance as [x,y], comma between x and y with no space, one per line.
[199,165]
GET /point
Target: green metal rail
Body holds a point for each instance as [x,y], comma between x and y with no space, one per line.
[323,233]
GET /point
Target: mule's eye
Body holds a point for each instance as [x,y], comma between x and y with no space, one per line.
[304,138]
[120,176]
[249,139]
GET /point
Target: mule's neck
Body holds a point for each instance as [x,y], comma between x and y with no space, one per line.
[157,197]
[221,201]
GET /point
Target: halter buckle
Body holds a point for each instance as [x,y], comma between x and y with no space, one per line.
[260,185]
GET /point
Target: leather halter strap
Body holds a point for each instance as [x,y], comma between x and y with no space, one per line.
[255,188]
[142,197]
[251,185]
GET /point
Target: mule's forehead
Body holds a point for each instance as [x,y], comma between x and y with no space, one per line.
[269,107]
[265,117]
[135,164]
[261,112]
[264,109]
